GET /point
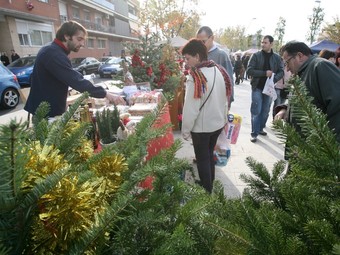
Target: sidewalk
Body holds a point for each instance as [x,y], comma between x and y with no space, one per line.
[267,150]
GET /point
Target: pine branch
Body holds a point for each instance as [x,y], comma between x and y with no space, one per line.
[57,127]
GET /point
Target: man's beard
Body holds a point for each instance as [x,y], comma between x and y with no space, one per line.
[71,47]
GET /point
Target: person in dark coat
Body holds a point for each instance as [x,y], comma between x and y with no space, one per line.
[4,59]
[245,60]
[14,55]
[53,73]
[238,70]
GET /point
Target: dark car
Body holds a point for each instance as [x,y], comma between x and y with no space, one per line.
[112,66]
[9,88]
[23,68]
[85,65]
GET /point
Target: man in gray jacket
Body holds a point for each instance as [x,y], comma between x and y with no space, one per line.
[216,54]
[262,65]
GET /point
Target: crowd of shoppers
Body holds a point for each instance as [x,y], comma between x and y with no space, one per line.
[203,117]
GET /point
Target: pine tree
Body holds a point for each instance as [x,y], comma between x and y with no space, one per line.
[297,212]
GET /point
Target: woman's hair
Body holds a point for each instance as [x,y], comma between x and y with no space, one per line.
[327,54]
[69,28]
[195,46]
[337,57]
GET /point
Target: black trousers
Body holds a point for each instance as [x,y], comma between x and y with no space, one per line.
[204,144]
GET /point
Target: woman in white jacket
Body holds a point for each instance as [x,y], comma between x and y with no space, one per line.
[207,100]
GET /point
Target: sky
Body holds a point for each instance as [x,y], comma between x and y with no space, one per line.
[257,14]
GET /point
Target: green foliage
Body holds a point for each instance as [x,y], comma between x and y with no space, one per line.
[297,213]
[333,30]
[155,64]
[170,17]
[280,213]
[108,122]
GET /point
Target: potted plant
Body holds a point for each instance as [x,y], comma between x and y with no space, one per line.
[107,123]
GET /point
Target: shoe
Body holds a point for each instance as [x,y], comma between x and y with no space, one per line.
[194,160]
[263,133]
[253,139]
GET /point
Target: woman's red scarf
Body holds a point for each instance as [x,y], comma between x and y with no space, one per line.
[200,81]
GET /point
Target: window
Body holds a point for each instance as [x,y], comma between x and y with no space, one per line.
[23,38]
[132,10]
[101,44]
[63,18]
[75,13]
[87,15]
[44,1]
[112,22]
[99,20]
[39,38]
[90,43]
[33,33]
[36,38]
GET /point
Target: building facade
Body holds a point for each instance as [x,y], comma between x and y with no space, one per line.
[27,25]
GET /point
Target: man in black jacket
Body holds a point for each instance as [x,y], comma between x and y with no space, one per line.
[262,65]
[14,55]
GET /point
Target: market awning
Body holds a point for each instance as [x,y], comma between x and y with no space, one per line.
[324,44]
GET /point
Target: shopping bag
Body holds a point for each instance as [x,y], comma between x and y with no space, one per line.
[222,149]
[233,126]
[269,87]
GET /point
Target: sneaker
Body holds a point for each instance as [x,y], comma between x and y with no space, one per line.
[263,133]
[253,139]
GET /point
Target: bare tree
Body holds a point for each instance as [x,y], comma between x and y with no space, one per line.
[315,23]
[279,33]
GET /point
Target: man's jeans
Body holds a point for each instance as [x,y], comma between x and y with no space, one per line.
[260,107]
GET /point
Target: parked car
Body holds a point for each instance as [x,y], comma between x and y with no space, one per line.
[23,68]
[9,88]
[85,65]
[102,60]
[112,66]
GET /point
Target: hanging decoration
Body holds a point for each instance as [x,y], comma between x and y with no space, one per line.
[29,5]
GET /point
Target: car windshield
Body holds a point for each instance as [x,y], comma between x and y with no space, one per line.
[113,61]
[77,61]
[24,61]
[103,59]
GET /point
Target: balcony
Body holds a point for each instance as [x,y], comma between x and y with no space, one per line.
[92,26]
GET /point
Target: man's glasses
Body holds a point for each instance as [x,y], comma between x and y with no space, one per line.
[204,41]
[289,59]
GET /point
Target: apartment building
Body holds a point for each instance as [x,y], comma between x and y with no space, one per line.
[27,25]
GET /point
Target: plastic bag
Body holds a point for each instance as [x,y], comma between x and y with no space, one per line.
[269,87]
[222,149]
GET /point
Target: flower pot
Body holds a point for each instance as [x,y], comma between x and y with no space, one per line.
[103,145]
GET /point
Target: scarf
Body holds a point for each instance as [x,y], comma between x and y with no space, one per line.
[200,81]
[60,43]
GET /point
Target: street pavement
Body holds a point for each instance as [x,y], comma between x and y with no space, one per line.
[267,150]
